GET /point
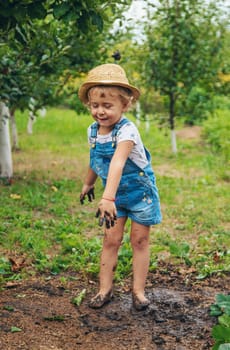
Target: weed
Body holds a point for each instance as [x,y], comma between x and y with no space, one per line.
[221,332]
[79,298]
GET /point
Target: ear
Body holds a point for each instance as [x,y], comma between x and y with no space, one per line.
[126,106]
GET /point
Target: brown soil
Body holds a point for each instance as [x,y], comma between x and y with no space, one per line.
[191,132]
[178,317]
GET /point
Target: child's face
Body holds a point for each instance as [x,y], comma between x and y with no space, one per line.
[106,106]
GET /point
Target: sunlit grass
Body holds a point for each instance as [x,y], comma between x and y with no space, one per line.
[42,220]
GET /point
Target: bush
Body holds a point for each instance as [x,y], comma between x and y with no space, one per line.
[221,102]
[196,106]
[216,133]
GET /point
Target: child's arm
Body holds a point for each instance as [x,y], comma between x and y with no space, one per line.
[88,187]
[106,205]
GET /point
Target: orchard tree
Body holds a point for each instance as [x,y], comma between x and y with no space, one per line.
[6,164]
[83,13]
[184,40]
[46,38]
[42,41]
[223,85]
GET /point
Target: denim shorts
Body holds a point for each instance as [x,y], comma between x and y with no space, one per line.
[138,199]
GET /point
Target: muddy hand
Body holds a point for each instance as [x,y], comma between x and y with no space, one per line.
[107,219]
[90,195]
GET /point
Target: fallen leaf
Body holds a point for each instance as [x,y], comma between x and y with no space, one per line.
[216,257]
[11,284]
[17,264]
[15,196]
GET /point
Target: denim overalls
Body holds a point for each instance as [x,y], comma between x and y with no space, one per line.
[137,194]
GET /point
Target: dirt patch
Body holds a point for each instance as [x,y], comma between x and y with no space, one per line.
[177,319]
[192,132]
[47,164]
[168,171]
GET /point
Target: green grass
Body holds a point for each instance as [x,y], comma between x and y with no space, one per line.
[42,221]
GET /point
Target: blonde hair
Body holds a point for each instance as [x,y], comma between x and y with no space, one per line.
[124,94]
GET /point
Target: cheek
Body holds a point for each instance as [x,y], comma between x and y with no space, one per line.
[93,112]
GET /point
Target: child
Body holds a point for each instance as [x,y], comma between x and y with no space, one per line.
[119,158]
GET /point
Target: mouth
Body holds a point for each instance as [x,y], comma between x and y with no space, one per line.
[102,119]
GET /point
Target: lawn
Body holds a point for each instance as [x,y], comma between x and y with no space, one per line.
[50,244]
[43,227]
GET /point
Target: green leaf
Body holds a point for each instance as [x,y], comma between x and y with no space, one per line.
[221,306]
[97,21]
[79,298]
[59,318]
[224,346]
[61,10]
[223,301]
[224,320]
[37,10]
[20,35]
[15,329]
[9,308]
[215,310]
[179,249]
[221,333]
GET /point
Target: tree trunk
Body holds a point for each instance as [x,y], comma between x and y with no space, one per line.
[171,122]
[147,124]
[31,121]
[6,164]
[173,141]
[138,113]
[15,144]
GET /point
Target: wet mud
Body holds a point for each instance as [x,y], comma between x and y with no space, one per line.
[38,314]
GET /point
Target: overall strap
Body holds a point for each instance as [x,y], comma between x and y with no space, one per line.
[116,129]
[94,130]
[93,134]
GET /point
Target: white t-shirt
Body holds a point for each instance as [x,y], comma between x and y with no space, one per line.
[127,132]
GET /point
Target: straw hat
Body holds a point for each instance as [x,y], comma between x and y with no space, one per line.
[106,74]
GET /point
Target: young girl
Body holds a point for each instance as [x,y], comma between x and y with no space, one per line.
[118,157]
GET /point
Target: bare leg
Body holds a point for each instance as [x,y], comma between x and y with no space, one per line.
[111,244]
[141,257]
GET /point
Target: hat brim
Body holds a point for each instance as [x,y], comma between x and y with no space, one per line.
[84,88]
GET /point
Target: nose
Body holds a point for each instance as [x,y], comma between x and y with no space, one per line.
[100,110]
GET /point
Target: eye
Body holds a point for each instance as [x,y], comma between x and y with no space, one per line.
[107,105]
[93,105]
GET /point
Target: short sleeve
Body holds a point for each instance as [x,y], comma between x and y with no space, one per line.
[128,132]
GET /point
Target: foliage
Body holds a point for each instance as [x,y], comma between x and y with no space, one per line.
[45,43]
[82,13]
[196,106]
[27,67]
[222,305]
[223,83]
[216,133]
[184,48]
[221,332]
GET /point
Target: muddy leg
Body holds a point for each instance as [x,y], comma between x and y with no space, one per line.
[141,256]
[111,244]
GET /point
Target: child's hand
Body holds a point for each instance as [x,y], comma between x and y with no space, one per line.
[87,191]
[107,219]
[106,213]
